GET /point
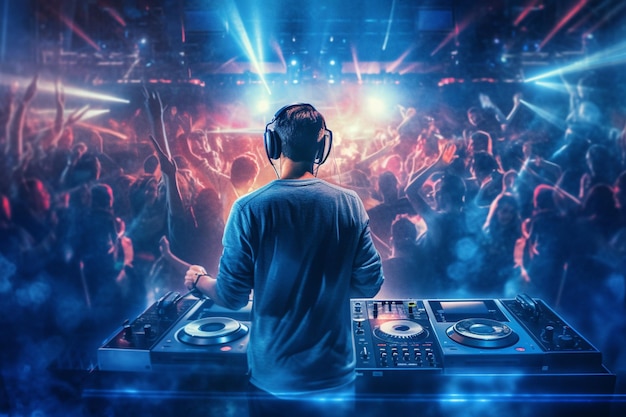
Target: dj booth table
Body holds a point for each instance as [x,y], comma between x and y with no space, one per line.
[514,357]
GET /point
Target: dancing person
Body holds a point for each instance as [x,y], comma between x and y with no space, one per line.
[448,238]
[304,246]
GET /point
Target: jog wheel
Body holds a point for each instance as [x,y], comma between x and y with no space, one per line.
[482,333]
[211,331]
[400,331]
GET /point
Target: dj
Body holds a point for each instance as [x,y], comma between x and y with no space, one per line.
[304,247]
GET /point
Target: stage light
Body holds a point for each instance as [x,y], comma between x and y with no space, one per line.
[612,56]
[77,92]
[560,87]
[389,22]
[376,106]
[94,113]
[355,62]
[546,115]
[293,69]
[240,34]
[88,114]
[530,6]
[49,87]
[333,69]
[572,12]
[263,106]
[76,29]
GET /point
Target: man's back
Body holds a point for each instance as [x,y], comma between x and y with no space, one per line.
[305,247]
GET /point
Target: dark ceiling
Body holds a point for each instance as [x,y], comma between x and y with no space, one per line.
[196,38]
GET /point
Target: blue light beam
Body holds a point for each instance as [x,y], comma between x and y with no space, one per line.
[612,56]
[241,37]
[546,115]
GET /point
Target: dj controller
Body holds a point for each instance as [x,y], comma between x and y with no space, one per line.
[410,345]
[490,335]
[180,333]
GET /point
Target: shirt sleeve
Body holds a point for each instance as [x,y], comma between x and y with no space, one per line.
[236,272]
[367,273]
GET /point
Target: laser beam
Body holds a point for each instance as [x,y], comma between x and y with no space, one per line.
[546,115]
[573,12]
[611,56]
[241,36]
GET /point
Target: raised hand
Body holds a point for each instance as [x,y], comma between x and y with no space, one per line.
[153,103]
[31,89]
[448,154]
[168,166]
[485,101]
[156,111]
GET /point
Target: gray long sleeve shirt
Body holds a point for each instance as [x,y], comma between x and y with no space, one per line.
[304,247]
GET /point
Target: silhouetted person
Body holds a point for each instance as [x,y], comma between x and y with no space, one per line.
[499,236]
[404,270]
[447,242]
[546,249]
[383,214]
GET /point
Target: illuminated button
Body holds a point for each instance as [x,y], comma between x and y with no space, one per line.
[225,348]
[520,349]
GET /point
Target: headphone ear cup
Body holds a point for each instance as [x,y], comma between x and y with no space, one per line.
[323,150]
[272,144]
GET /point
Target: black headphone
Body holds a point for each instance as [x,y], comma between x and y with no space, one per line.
[273,144]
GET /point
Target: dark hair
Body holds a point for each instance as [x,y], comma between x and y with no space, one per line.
[481,141]
[299,128]
[404,233]
[101,196]
[208,200]
[599,201]
[484,162]
[150,164]
[543,197]
[387,179]
[451,188]
[491,224]
[244,168]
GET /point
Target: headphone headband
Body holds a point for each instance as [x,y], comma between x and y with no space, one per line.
[273,144]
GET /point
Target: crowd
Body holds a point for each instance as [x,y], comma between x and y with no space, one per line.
[93,230]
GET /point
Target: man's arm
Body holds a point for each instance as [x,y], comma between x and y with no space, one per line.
[197,277]
[236,267]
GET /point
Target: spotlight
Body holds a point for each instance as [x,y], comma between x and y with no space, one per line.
[333,69]
[375,105]
[263,106]
[293,69]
